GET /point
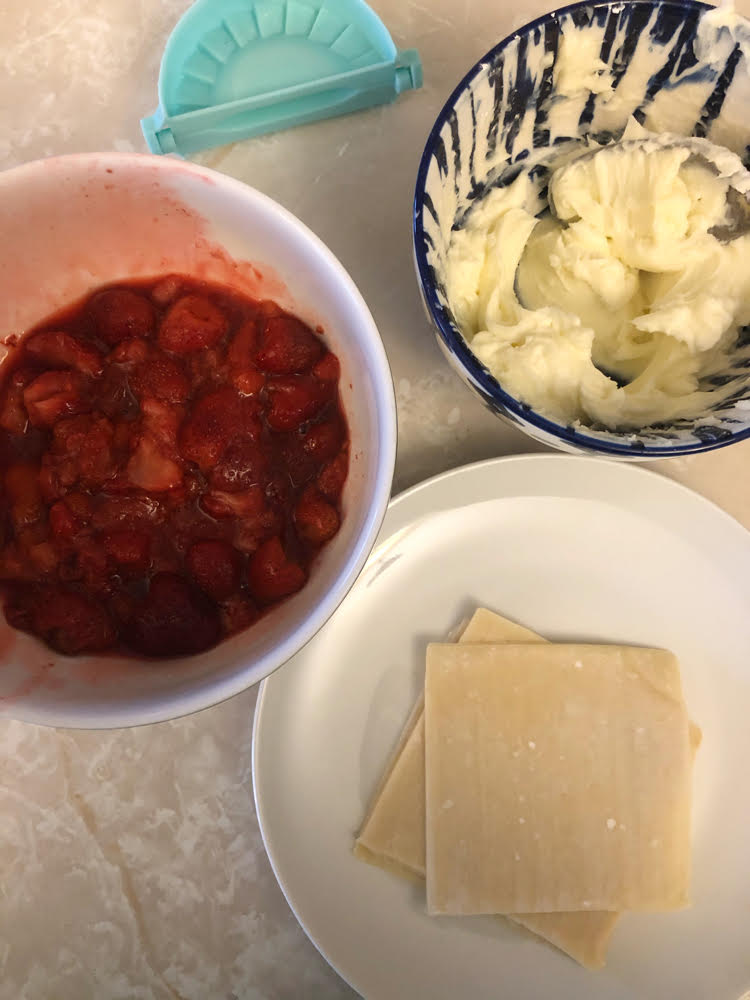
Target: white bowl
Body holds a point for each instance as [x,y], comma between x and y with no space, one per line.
[72,223]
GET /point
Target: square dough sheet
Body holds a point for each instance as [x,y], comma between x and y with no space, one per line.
[393,833]
[557,779]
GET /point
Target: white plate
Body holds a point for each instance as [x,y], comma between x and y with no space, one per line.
[575,548]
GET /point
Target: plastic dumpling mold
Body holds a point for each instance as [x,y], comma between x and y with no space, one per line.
[236,68]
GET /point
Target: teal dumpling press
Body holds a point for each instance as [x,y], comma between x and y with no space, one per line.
[237,68]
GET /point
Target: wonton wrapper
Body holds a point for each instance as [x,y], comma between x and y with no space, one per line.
[557,777]
[393,833]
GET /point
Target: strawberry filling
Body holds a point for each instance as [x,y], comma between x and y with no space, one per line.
[173,456]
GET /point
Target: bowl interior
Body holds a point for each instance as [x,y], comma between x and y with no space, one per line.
[669,69]
[78,222]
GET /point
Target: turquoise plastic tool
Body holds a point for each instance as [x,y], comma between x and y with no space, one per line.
[237,68]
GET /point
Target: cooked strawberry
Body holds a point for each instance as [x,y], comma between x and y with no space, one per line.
[67,621]
[81,453]
[62,350]
[30,534]
[288,346]
[237,612]
[215,421]
[15,566]
[153,464]
[122,606]
[243,345]
[248,382]
[23,494]
[87,441]
[250,531]
[150,469]
[322,441]
[244,464]
[174,619]
[249,503]
[203,436]
[43,557]
[293,399]
[63,523]
[332,476]
[130,352]
[111,395]
[49,481]
[299,465]
[13,415]
[115,513]
[242,373]
[161,377]
[162,421]
[188,524]
[167,290]
[86,563]
[121,313]
[216,567]
[207,370]
[328,368]
[279,489]
[271,575]
[80,505]
[53,396]
[191,324]
[124,435]
[128,548]
[193,486]
[316,519]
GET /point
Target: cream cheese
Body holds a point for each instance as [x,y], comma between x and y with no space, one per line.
[578,68]
[610,308]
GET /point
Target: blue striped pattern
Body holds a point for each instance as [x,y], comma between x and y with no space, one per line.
[503,115]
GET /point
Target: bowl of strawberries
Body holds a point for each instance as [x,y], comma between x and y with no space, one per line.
[197,438]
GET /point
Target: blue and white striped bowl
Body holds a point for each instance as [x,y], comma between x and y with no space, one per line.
[500,115]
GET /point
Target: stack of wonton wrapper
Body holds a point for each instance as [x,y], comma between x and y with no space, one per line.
[550,783]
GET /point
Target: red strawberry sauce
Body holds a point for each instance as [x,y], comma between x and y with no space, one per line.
[172,456]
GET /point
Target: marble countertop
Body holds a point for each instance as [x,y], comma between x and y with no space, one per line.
[132,862]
